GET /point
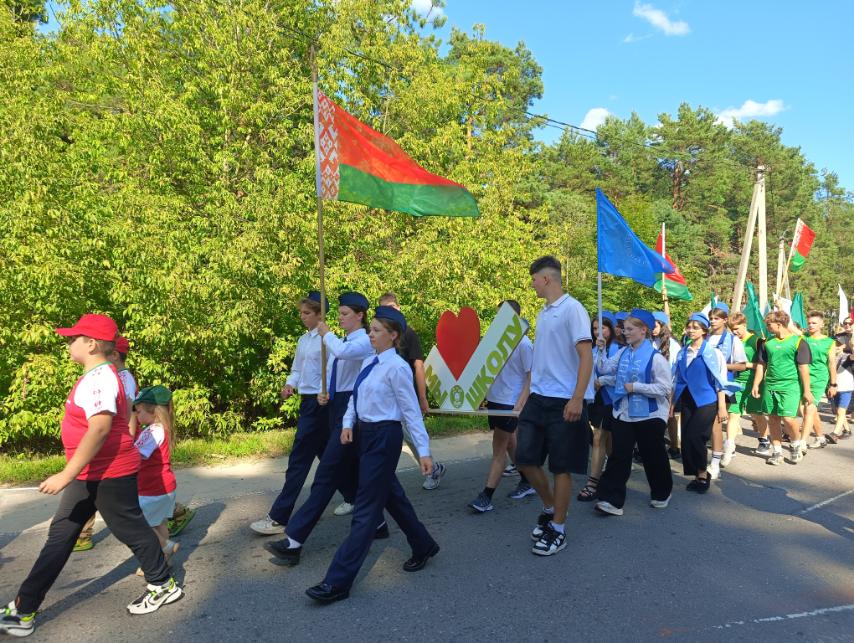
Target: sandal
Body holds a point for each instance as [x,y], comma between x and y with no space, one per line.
[589,493]
[831,437]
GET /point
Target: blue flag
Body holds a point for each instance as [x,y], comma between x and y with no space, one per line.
[620,251]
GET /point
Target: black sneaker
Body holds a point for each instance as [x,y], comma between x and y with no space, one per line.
[283,554]
[551,542]
[13,623]
[481,504]
[542,522]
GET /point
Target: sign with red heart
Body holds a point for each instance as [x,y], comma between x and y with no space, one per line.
[457,337]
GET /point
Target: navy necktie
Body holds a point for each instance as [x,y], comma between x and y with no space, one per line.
[363,374]
[334,377]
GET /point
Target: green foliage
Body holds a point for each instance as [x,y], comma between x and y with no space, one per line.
[157,165]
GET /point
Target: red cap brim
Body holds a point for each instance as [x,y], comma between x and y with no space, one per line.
[67,332]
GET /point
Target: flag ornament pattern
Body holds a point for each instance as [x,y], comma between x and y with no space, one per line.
[801,244]
[677,287]
[357,164]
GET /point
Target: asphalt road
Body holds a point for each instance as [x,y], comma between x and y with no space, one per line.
[757,558]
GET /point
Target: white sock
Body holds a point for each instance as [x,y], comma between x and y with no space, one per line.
[548,510]
[729,445]
[778,448]
[559,528]
[716,455]
[293,544]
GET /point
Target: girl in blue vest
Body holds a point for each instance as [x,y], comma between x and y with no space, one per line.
[699,393]
[599,413]
[383,397]
[642,381]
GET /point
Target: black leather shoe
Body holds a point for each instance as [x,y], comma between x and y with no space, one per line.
[326,593]
[417,563]
[283,555]
[382,532]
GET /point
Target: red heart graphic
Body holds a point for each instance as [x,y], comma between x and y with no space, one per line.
[457,338]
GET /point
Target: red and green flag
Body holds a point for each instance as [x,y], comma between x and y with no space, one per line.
[677,287]
[801,245]
[359,165]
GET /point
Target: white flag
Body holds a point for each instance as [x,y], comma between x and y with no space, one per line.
[843,305]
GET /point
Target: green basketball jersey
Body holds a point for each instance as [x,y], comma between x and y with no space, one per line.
[749,342]
[782,367]
[820,356]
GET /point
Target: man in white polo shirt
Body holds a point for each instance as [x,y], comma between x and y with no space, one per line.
[553,418]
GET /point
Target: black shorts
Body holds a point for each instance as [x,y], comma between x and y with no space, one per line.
[543,432]
[501,422]
[599,413]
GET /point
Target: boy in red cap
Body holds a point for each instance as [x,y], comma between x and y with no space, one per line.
[100,474]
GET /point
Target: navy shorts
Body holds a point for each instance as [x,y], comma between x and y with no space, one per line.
[544,433]
[501,422]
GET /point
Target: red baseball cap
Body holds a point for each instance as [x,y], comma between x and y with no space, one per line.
[122,344]
[94,326]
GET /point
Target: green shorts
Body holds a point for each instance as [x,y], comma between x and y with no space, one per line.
[739,405]
[781,403]
[818,390]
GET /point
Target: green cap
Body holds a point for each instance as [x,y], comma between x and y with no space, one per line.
[159,395]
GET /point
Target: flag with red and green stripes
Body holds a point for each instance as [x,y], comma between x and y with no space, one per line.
[801,245]
[677,287]
[357,164]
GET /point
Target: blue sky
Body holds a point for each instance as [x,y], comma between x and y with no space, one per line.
[784,62]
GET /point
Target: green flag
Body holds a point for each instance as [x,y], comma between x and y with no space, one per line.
[755,321]
[798,315]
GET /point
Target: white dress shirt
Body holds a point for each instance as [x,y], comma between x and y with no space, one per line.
[350,352]
[560,326]
[507,387]
[659,388]
[387,394]
[305,371]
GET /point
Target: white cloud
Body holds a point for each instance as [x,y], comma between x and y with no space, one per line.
[594,118]
[658,19]
[750,109]
[633,38]
[425,7]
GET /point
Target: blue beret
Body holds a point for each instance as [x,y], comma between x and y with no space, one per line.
[661,317]
[700,318]
[621,316]
[723,307]
[314,295]
[392,314]
[353,299]
[643,316]
[607,314]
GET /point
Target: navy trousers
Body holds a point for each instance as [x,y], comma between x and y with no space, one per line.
[379,450]
[338,469]
[309,443]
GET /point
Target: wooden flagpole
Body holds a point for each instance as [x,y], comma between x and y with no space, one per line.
[313,56]
[761,234]
[789,260]
[738,293]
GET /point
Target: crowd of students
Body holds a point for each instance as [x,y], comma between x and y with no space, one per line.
[588,398]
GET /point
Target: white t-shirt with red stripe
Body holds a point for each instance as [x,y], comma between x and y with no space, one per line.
[155,475]
[100,390]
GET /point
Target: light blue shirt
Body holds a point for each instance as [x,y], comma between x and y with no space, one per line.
[560,326]
[350,355]
[305,371]
[387,394]
[507,387]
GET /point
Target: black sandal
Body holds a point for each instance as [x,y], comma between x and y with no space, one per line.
[589,492]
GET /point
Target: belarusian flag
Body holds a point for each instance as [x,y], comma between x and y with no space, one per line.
[801,245]
[677,287]
[358,164]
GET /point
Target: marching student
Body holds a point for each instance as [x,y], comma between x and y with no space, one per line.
[642,384]
[699,393]
[155,481]
[736,361]
[503,395]
[410,350]
[737,323]
[664,342]
[338,467]
[553,421]
[118,358]
[383,396]
[822,378]
[600,411]
[783,367]
[100,474]
[313,423]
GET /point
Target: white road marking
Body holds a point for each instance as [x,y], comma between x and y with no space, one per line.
[821,504]
[785,617]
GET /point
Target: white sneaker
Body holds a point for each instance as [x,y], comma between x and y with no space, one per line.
[155,597]
[432,481]
[795,454]
[509,471]
[267,527]
[729,454]
[715,469]
[608,508]
[344,509]
[660,504]
[817,443]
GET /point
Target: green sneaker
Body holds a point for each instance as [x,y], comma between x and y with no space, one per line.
[15,624]
[176,525]
[83,544]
